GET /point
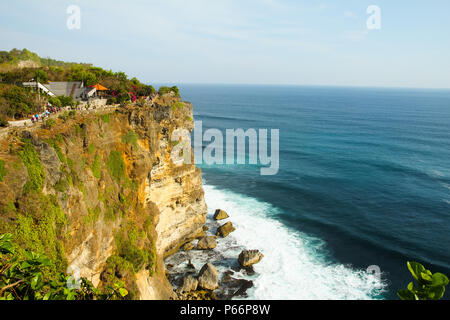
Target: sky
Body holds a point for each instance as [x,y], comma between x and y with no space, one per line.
[296,42]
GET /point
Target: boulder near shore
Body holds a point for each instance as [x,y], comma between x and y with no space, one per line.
[220,215]
[248,258]
[225,230]
[189,284]
[207,243]
[208,277]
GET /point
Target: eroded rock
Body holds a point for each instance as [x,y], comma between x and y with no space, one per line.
[225,230]
[220,215]
[207,243]
[208,277]
[188,246]
[189,284]
[248,258]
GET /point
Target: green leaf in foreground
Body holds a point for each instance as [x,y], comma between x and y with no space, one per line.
[427,286]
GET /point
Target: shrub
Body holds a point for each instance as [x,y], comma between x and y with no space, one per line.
[127,245]
[177,105]
[91,148]
[41,76]
[49,123]
[23,278]
[17,102]
[96,167]
[32,162]
[106,118]
[136,256]
[54,101]
[66,101]
[54,144]
[2,170]
[147,90]
[64,116]
[130,137]
[117,270]
[165,90]
[3,122]
[427,286]
[111,101]
[116,166]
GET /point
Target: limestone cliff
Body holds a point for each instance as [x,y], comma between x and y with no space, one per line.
[99,192]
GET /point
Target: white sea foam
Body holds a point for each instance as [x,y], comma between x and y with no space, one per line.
[294,265]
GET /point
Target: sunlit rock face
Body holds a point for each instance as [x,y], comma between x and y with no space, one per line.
[111,167]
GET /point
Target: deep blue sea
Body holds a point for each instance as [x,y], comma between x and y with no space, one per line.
[364,180]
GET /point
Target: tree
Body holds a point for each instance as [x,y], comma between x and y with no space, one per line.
[165,90]
[66,101]
[54,101]
[41,76]
[427,286]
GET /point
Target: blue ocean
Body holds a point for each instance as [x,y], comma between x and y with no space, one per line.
[364,180]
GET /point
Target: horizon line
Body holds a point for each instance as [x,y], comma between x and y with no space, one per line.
[297,85]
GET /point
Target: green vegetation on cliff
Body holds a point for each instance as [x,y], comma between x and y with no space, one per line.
[130,137]
[166,90]
[17,102]
[22,277]
[96,167]
[2,170]
[36,174]
[116,166]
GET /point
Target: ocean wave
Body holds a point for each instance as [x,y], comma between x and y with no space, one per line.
[294,265]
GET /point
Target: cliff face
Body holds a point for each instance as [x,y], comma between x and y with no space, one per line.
[100,193]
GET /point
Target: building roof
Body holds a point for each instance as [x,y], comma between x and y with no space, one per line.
[72,89]
[99,87]
[64,88]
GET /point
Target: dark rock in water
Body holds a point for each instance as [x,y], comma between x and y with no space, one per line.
[208,277]
[225,230]
[220,215]
[248,258]
[227,276]
[249,271]
[189,284]
[190,265]
[205,228]
[197,295]
[232,287]
[169,266]
[242,291]
[207,243]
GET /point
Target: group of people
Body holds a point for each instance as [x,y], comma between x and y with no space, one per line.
[49,110]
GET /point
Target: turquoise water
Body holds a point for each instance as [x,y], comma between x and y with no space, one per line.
[364,180]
